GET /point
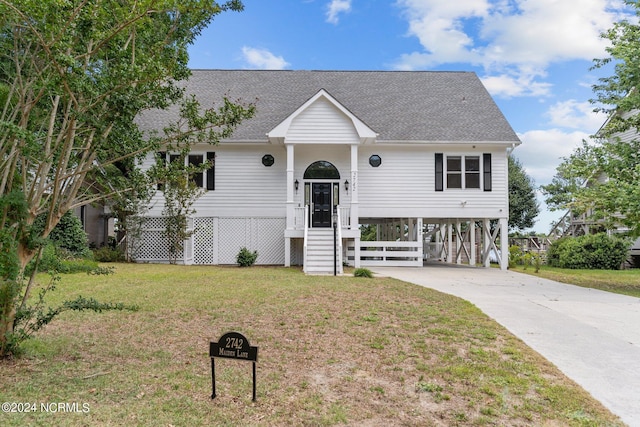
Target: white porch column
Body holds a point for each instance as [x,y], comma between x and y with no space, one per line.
[440,241]
[460,242]
[354,220]
[486,242]
[450,242]
[472,239]
[420,238]
[354,188]
[290,203]
[504,244]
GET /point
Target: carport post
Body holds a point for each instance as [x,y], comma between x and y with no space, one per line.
[504,244]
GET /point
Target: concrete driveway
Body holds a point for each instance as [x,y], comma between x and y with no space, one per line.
[592,336]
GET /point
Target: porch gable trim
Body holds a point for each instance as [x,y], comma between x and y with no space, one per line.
[365,133]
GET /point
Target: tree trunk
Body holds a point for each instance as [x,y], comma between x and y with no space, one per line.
[12,292]
[7,318]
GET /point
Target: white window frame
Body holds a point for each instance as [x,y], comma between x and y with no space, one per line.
[462,173]
[205,173]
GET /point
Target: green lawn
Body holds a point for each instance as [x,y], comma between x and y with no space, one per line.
[332,351]
[620,281]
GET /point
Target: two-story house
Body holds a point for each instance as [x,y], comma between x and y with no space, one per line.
[419,156]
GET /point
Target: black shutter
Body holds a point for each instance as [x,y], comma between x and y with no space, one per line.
[162,160]
[211,172]
[486,171]
[439,172]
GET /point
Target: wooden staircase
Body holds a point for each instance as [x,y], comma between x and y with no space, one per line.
[319,252]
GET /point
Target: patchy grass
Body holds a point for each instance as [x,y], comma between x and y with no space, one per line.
[625,282]
[332,351]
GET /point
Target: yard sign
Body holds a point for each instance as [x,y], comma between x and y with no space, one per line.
[232,345]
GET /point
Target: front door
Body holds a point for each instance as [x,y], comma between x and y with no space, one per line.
[321,199]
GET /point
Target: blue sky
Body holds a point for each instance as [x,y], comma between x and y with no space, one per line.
[532,55]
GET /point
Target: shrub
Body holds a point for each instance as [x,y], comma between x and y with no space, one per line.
[592,251]
[108,254]
[363,272]
[515,255]
[59,260]
[246,258]
[50,261]
[68,234]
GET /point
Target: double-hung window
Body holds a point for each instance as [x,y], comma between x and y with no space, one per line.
[204,179]
[196,160]
[463,172]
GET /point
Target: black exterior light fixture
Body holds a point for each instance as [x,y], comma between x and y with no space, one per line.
[346,185]
[296,184]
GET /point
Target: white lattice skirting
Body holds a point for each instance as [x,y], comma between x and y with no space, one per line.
[217,241]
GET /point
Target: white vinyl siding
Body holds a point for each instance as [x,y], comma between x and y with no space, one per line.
[244,187]
[404,185]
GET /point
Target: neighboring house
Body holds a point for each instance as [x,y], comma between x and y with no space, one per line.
[579,225]
[97,223]
[422,156]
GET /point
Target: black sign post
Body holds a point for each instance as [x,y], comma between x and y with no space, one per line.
[232,345]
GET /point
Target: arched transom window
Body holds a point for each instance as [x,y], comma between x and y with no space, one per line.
[321,170]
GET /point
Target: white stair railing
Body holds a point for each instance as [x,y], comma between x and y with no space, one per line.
[339,242]
[306,238]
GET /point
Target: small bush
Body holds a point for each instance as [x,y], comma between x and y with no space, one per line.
[69,266]
[246,258]
[363,272]
[515,256]
[50,261]
[593,251]
[68,234]
[59,260]
[108,254]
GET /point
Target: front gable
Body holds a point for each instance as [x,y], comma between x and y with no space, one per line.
[322,120]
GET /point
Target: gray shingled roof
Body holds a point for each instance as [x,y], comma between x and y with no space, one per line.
[399,106]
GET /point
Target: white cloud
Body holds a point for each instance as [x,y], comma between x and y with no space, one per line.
[335,8]
[509,86]
[543,150]
[514,40]
[575,115]
[543,31]
[263,59]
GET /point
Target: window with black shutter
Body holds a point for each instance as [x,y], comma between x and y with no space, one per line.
[463,172]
